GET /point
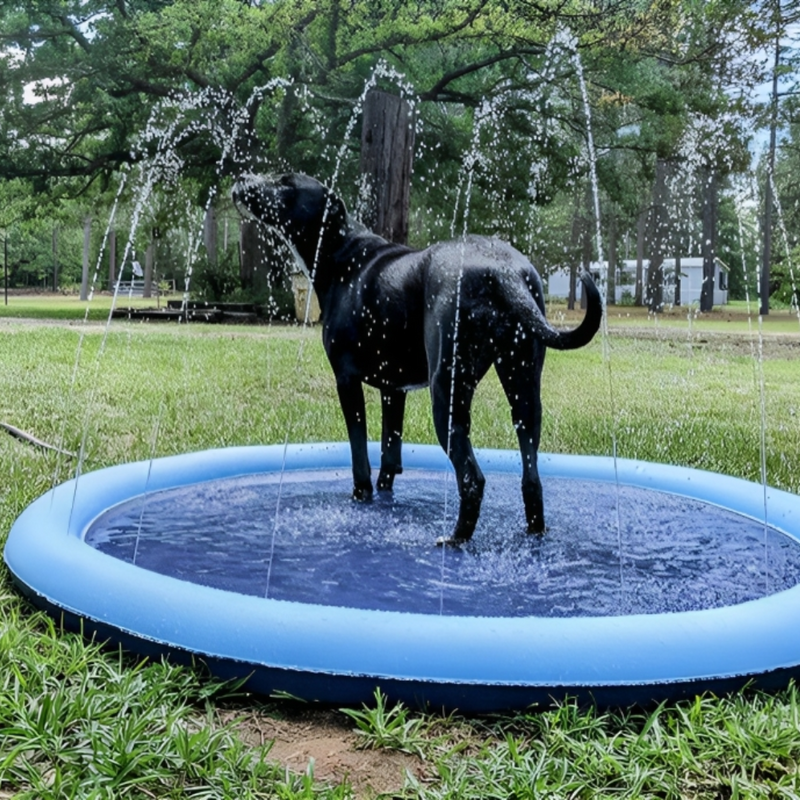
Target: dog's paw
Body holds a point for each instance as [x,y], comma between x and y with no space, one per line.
[461,534]
[386,478]
[362,493]
[385,481]
[450,541]
[537,528]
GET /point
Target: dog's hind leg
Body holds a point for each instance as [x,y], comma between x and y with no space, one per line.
[521,382]
[452,423]
[351,398]
[393,406]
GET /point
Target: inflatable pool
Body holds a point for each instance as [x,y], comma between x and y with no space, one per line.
[325,599]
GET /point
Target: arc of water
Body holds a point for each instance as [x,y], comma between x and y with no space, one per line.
[164,164]
[483,113]
[138,208]
[382,70]
[571,46]
[763,426]
[757,354]
[228,144]
[70,393]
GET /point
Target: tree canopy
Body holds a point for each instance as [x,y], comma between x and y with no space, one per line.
[96,67]
[89,87]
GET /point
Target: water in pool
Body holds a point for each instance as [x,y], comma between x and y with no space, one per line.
[668,553]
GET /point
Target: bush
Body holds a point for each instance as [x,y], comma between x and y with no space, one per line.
[783,284]
[215,282]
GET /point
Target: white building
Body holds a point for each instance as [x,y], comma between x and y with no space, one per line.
[557,285]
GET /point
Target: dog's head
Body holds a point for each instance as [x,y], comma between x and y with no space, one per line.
[297,206]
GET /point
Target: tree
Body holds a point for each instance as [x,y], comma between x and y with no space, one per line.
[780,16]
[98,66]
[270,84]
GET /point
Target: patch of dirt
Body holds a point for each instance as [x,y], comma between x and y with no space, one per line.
[326,742]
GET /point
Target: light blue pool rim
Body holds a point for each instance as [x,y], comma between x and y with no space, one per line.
[340,655]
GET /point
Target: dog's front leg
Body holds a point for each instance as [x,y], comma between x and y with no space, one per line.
[393,406]
[351,398]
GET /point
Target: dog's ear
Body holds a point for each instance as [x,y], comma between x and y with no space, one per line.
[336,211]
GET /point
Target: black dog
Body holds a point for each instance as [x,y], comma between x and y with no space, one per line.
[399,319]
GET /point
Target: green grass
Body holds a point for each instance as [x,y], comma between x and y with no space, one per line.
[745,746]
[71,307]
[77,721]
[735,317]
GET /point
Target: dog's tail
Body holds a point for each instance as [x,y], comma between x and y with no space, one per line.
[584,333]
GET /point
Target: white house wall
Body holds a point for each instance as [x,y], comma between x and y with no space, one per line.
[557,284]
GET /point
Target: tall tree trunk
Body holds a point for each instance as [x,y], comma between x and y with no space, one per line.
[575,238]
[55,259]
[611,285]
[112,260]
[87,241]
[641,229]
[766,255]
[149,267]
[586,251]
[210,228]
[249,251]
[658,240]
[710,215]
[387,152]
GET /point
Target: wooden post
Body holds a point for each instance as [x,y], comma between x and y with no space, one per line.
[87,240]
[387,152]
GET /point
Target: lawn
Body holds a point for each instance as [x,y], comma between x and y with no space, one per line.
[70,306]
[79,721]
[736,317]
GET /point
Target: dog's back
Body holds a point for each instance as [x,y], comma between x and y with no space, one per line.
[498,289]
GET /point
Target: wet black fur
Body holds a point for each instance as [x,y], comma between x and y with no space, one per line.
[397,318]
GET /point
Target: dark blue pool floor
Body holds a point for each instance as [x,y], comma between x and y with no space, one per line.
[301,538]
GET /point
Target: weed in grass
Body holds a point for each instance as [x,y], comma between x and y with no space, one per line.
[389,726]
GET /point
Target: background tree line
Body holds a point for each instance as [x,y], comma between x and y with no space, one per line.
[90,89]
